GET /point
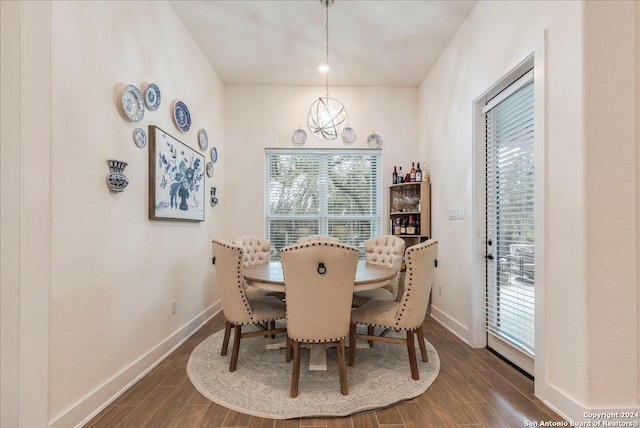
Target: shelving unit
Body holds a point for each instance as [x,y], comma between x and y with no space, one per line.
[410,201]
[405,200]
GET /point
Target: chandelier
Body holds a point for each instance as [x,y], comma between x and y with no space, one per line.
[327,116]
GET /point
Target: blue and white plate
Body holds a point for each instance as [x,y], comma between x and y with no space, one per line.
[203,139]
[214,154]
[152,97]
[132,103]
[210,169]
[140,137]
[181,116]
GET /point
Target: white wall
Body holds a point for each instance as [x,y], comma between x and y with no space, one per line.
[114,271]
[581,221]
[610,72]
[265,117]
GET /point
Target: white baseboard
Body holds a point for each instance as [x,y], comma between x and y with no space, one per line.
[572,411]
[107,393]
[451,324]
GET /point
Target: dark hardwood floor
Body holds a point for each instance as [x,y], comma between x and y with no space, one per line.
[474,389]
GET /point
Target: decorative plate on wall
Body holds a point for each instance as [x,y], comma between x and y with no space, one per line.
[214,154]
[181,116]
[210,169]
[152,97]
[374,141]
[299,137]
[348,135]
[140,137]
[203,139]
[132,103]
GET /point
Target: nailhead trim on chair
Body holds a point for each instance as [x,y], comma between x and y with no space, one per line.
[319,340]
[240,276]
[315,244]
[409,278]
[427,244]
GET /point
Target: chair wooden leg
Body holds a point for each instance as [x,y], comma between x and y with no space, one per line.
[227,332]
[411,348]
[423,347]
[342,369]
[272,326]
[288,350]
[295,374]
[371,330]
[352,343]
[237,335]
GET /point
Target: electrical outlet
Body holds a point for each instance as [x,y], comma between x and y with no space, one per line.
[173,307]
[440,289]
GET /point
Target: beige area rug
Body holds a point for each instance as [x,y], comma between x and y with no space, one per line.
[261,384]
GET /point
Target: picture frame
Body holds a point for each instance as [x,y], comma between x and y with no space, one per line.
[176,179]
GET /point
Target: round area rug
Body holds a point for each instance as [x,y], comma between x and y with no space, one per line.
[261,384]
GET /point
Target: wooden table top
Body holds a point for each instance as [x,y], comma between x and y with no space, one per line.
[269,276]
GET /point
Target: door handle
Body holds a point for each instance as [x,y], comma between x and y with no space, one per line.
[489,256]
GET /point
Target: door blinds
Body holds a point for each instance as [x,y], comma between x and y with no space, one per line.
[510,214]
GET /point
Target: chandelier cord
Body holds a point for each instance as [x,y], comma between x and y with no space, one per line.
[327,44]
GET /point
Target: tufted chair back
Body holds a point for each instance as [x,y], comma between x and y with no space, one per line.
[386,250]
[316,238]
[230,275]
[318,304]
[256,249]
[420,260]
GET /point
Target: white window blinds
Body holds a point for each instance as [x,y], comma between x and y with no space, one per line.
[510,214]
[321,192]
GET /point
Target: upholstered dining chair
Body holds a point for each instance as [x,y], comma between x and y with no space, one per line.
[385,250]
[316,238]
[256,249]
[256,252]
[318,282]
[240,309]
[406,315]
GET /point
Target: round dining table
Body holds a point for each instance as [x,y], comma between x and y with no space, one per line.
[269,276]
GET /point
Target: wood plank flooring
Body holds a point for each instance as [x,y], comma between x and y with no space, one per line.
[474,389]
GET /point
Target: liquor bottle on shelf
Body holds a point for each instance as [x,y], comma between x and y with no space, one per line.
[425,174]
[403,226]
[412,173]
[396,227]
[395,176]
[411,228]
[400,176]
[417,225]
[418,173]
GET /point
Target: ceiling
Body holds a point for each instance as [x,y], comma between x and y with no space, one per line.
[371,43]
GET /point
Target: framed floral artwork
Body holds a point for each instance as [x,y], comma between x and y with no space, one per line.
[176,179]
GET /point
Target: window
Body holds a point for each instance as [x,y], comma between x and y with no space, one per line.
[321,192]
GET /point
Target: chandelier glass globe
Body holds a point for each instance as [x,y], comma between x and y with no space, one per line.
[327,118]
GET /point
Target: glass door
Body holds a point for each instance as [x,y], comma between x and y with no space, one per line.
[509,191]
